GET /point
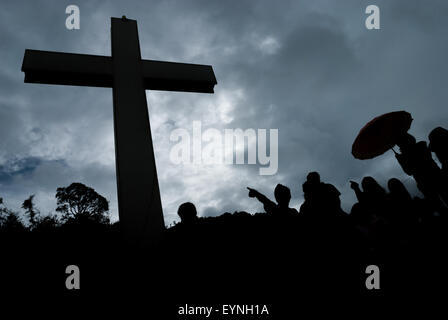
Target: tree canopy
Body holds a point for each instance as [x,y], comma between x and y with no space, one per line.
[79,202]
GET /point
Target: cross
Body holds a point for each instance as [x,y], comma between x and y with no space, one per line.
[139,204]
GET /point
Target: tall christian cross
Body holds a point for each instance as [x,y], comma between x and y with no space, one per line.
[139,205]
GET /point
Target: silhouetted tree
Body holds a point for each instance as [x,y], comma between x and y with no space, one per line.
[30,209]
[38,222]
[80,203]
[2,212]
[9,220]
[46,223]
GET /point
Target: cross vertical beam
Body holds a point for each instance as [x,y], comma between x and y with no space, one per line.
[140,207]
[139,202]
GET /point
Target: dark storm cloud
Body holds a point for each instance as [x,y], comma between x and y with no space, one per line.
[24,166]
[307,68]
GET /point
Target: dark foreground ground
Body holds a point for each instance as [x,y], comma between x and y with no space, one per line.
[289,265]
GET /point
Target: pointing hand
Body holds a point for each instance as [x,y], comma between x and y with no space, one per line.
[252,192]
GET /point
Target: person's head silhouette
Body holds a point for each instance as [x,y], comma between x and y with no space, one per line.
[395,186]
[311,183]
[282,195]
[438,140]
[438,135]
[397,189]
[313,177]
[187,212]
[371,186]
[406,141]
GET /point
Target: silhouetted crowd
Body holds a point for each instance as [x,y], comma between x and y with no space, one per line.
[318,248]
[380,217]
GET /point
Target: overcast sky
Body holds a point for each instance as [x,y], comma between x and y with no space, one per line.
[307,68]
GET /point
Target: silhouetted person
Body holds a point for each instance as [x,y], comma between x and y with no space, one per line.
[372,201]
[187,213]
[282,196]
[358,216]
[321,199]
[310,193]
[401,204]
[371,212]
[398,191]
[438,143]
[416,160]
[372,195]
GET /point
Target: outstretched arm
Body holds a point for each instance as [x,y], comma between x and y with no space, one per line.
[268,204]
[355,186]
[404,163]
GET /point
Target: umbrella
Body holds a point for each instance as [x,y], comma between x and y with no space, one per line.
[381,134]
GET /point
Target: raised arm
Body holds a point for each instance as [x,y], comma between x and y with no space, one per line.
[404,163]
[355,186]
[268,204]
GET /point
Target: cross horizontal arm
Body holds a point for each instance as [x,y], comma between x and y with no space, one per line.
[173,76]
[96,71]
[67,69]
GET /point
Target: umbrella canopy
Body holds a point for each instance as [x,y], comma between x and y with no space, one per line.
[381,134]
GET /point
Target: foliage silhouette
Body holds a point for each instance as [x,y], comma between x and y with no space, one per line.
[30,209]
[78,202]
